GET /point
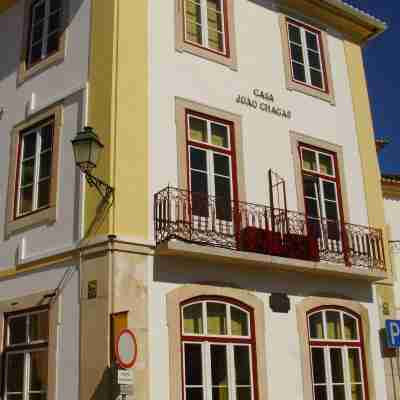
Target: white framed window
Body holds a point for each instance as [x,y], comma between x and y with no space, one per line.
[45,29]
[336,349]
[218,351]
[306,55]
[26,355]
[35,168]
[205,24]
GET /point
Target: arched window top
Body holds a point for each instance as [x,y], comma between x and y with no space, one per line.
[215,317]
[333,324]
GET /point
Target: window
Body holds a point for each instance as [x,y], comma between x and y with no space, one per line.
[26,355]
[218,351]
[204,28]
[211,166]
[34,180]
[337,358]
[322,195]
[205,24]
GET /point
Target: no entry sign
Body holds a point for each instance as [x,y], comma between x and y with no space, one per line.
[126,349]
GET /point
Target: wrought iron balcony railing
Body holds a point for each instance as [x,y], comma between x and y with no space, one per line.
[220,222]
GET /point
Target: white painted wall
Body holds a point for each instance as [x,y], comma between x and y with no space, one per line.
[61,81]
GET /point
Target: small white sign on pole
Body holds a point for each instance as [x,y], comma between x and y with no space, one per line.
[125,377]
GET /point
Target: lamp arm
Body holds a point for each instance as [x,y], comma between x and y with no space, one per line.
[105,190]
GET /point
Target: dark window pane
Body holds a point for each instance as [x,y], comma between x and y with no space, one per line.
[309,160]
[55,5]
[194,394]
[220,393]
[219,135]
[310,189]
[325,164]
[333,228]
[320,393]
[242,365]
[314,228]
[198,159]
[354,365]
[297,53]
[199,182]
[221,165]
[239,322]
[193,318]
[313,60]
[193,364]
[223,198]
[44,193]
[38,12]
[38,396]
[337,366]
[37,34]
[318,365]
[329,190]
[312,41]
[54,22]
[331,211]
[312,208]
[216,319]
[45,165]
[15,372]
[294,34]
[339,392]
[316,78]
[29,145]
[27,172]
[38,371]
[356,392]
[39,326]
[47,137]
[316,326]
[52,43]
[219,370]
[350,327]
[299,72]
[26,200]
[243,393]
[14,396]
[36,53]
[197,129]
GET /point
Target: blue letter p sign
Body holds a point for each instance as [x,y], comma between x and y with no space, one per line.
[393,333]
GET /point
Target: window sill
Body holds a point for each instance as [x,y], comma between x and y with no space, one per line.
[307,90]
[43,217]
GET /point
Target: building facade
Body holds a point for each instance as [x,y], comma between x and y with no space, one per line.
[244,240]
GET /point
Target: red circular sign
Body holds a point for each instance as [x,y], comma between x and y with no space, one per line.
[126,349]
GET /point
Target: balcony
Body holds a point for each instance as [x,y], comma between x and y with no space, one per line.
[203,226]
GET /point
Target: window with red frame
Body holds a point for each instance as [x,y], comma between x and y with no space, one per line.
[211,166]
[205,24]
[306,55]
[218,350]
[337,355]
[322,194]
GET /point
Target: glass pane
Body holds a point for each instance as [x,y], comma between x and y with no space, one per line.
[333,325]
[27,172]
[243,393]
[329,190]
[309,160]
[193,11]
[316,326]
[17,330]
[339,392]
[14,396]
[36,53]
[316,78]
[193,32]
[219,135]
[312,41]
[220,393]
[239,322]
[199,193]
[193,318]
[310,187]
[38,396]
[193,364]
[297,53]
[15,372]
[39,12]
[26,200]
[215,40]
[37,33]
[39,326]
[38,371]
[354,365]
[45,165]
[194,394]
[219,368]
[337,365]
[223,198]
[325,164]
[294,34]
[356,392]
[55,5]
[222,165]
[318,365]
[299,72]
[350,327]
[198,159]
[331,211]
[320,393]
[52,43]
[242,365]
[29,145]
[54,22]
[47,137]
[198,129]
[313,60]
[312,208]
[44,193]
[216,319]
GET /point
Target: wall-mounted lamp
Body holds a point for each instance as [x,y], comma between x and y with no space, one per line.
[87,148]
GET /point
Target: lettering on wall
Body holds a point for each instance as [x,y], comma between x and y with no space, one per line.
[1,113]
[263,101]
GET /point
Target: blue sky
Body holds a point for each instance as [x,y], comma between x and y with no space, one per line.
[382,62]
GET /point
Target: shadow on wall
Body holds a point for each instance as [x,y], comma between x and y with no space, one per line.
[11,34]
[187,271]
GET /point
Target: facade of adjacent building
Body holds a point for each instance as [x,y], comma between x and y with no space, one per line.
[244,243]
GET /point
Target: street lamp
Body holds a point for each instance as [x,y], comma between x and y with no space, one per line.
[87,148]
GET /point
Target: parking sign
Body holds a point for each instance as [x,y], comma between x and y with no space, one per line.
[393,333]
